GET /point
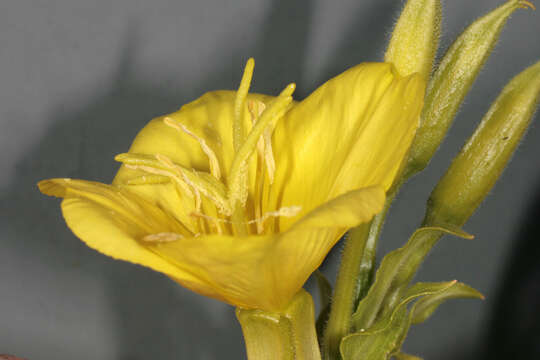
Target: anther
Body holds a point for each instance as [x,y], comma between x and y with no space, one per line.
[212,158]
[165,173]
[163,237]
[149,180]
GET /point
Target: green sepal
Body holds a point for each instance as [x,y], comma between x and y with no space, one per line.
[426,306]
[395,273]
[325,294]
[325,288]
[285,335]
[453,79]
[402,356]
[386,336]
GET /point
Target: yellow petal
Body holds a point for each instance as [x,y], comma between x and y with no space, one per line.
[265,272]
[345,211]
[126,207]
[113,221]
[352,132]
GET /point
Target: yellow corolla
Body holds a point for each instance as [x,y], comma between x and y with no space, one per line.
[240,196]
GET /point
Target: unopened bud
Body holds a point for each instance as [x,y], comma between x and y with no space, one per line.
[415,38]
[483,158]
[453,79]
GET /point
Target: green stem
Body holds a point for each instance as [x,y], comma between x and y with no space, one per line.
[354,278]
[286,335]
[339,321]
[367,264]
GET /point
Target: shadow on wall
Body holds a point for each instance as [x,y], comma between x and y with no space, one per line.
[365,40]
[153,317]
[514,326]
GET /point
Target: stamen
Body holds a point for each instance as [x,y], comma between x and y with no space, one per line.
[163,237]
[154,170]
[239,103]
[238,174]
[212,158]
[264,145]
[148,180]
[256,108]
[202,182]
[158,164]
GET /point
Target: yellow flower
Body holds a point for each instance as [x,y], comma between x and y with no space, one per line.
[240,196]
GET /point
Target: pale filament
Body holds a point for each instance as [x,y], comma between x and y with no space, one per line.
[163,237]
[208,189]
[286,211]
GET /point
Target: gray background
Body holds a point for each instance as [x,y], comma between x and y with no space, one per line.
[79,79]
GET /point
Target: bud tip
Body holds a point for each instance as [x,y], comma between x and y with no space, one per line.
[524,4]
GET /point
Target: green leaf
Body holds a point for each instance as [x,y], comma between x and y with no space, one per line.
[379,343]
[425,307]
[453,79]
[395,273]
[386,336]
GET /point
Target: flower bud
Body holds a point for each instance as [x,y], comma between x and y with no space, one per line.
[481,161]
[415,38]
[452,80]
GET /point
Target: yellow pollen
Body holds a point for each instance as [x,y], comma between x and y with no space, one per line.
[212,158]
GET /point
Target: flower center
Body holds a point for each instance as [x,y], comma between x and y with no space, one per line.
[231,199]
